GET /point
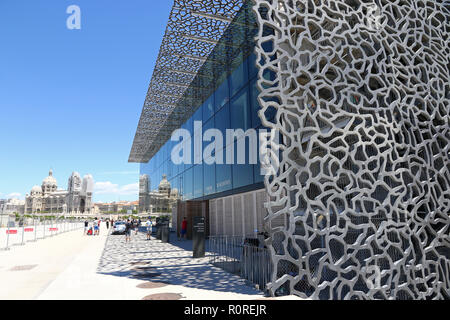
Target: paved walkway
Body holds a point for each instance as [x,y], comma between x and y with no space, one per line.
[154,263]
[26,271]
[74,266]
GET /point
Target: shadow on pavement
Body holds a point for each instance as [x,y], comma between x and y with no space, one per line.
[166,262]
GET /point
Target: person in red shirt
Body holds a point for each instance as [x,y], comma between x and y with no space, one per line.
[183,229]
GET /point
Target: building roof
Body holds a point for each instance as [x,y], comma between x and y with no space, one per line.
[194,52]
[50,180]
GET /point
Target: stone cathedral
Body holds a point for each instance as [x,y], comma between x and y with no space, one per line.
[47,198]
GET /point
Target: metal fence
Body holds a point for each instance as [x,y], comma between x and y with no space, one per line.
[243,256]
[18,231]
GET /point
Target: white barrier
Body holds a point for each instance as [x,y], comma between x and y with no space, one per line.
[20,235]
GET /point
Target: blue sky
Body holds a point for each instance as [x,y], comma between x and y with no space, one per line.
[70,100]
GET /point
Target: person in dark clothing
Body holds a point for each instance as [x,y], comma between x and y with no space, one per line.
[128,227]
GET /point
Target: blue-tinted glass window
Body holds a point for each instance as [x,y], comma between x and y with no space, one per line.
[188,182]
[240,111]
[257,173]
[252,68]
[254,105]
[197,137]
[198,181]
[222,119]
[243,173]
[152,181]
[158,177]
[163,153]
[157,160]
[198,114]
[222,94]
[223,177]
[165,167]
[209,179]
[175,183]
[170,167]
[208,108]
[206,126]
[222,122]
[238,78]
[181,185]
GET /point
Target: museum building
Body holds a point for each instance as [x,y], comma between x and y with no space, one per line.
[358,93]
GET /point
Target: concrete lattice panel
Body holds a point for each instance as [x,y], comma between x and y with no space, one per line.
[361,95]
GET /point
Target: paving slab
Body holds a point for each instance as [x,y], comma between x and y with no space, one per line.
[73,266]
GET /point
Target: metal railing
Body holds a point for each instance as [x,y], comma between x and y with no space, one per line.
[18,231]
[243,256]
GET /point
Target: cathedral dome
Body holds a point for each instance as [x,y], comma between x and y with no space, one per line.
[36,189]
[164,185]
[49,183]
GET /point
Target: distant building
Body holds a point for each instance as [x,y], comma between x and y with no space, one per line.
[158,201]
[10,206]
[116,207]
[48,199]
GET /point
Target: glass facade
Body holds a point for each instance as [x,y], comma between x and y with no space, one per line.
[233,105]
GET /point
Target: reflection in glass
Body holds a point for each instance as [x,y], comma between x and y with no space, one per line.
[223,177]
[208,108]
[222,95]
[198,181]
[238,78]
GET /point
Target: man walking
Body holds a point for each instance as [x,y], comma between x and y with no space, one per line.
[148,225]
[183,229]
[128,227]
[86,226]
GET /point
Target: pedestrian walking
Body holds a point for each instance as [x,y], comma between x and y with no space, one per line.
[86,226]
[107,224]
[95,227]
[136,226]
[149,225]
[128,227]
[183,229]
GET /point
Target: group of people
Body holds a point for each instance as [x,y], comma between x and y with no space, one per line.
[93,228]
[135,224]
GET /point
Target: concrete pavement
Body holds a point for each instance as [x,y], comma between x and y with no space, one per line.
[74,266]
[25,271]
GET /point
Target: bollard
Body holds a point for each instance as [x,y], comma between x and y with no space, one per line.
[35,229]
[7,235]
[23,231]
[165,232]
[158,230]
